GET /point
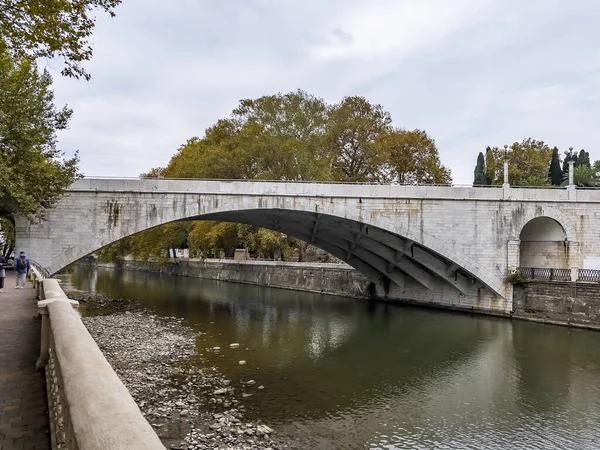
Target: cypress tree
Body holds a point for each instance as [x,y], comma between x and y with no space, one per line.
[555,173]
[583,159]
[480,179]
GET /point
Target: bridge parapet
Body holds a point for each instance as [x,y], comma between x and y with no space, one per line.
[89,406]
[358,190]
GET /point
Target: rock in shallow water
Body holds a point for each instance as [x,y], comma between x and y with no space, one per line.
[152,355]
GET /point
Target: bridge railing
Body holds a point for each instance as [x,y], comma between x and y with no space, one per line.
[589,275]
[545,274]
[550,274]
[89,407]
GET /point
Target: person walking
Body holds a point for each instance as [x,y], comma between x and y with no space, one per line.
[22,269]
[2,272]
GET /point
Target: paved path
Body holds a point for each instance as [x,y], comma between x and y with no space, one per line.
[23,413]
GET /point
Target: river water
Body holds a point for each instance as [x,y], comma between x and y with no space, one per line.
[352,374]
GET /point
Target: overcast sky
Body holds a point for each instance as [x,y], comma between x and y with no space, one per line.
[470,72]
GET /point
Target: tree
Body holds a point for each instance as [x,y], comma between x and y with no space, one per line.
[49,28]
[352,130]
[289,134]
[490,166]
[479,176]
[408,157]
[297,136]
[528,158]
[583,159]
[33,172]
[583,176]
[7,237]
[555,173]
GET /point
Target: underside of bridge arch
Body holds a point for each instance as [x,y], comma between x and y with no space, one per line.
[385,258]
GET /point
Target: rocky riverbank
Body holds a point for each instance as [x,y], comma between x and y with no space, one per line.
[189,404]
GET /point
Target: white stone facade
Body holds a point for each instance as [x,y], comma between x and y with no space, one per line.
[451,246]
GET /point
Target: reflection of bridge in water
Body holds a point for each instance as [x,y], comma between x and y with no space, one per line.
[432,244]
[348,367]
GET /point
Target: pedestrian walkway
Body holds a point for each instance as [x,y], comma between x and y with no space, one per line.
[23,412]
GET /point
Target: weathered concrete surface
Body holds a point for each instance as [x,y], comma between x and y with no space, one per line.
[335,279]
[23,414]
[431,244]
[576,304]
[90,407]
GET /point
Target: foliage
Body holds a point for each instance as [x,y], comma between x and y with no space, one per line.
[114,252]
[207,238]
[7,237]
[353,128]
[298,136]
[535,181]
[155,242]
[479,176]
[33,173]
[528,158]
[555,173]
[583,159]
[409,157]
[490,166]
[49,28]
[583,176]
[516,278]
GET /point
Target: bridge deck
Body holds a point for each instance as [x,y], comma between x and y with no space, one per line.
[23,409]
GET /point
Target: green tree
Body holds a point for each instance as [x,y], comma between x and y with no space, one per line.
[583,176]
[297,136]
[490,166]
[354,126]
[49,28]
[479,176]
[533,180]
[289,131]
[528,158]
[583,159]
[555,173]
[408,157]
[7,237]
[115,252]
[33,172]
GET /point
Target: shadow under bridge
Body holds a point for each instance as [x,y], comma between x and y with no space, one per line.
[385,258]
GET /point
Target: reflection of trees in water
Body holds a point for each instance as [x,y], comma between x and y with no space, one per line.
[548,359]
[320,354]
[350,351]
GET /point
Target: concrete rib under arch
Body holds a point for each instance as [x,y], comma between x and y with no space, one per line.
[377,253]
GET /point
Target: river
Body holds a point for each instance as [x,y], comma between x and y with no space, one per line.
[349,374]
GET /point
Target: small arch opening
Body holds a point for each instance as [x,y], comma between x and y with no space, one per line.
[543,244]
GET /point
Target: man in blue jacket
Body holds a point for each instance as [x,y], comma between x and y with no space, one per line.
[21,269]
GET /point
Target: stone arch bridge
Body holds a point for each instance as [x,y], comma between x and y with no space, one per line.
[447,246]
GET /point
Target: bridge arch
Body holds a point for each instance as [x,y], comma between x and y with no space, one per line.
[384,256]
[422,249]
[543,244]
[547,239]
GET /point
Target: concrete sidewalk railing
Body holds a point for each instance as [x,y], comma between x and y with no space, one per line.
[89,407]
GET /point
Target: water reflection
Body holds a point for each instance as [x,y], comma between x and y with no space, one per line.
[353,374]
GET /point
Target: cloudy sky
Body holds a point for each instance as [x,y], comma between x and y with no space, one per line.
[470,72]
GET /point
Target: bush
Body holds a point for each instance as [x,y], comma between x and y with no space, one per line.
[516,277]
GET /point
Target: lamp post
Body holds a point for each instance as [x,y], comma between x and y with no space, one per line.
[506,165]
